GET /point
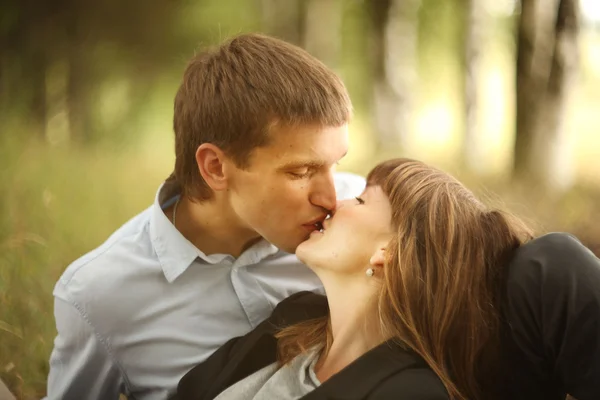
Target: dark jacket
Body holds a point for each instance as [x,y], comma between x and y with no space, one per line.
[387,372]
[552,310]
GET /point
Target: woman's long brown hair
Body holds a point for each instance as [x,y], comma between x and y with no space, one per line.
[443,278]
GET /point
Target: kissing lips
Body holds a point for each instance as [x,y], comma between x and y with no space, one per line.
[315,226]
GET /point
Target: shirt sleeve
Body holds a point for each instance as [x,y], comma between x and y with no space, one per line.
[80,365]
[554,310]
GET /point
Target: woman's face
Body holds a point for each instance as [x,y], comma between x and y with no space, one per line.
[358,230]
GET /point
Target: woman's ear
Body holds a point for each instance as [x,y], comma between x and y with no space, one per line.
[378,259]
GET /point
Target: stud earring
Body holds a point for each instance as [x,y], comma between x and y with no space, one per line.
[370,272]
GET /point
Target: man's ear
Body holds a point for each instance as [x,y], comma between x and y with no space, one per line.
[378,259]
[210,160]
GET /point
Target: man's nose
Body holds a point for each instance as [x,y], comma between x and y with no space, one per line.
[323,193]
[338,205]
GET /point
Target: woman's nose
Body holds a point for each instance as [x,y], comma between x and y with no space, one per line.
[338,205]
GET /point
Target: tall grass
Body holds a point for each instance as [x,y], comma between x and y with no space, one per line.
[56,203]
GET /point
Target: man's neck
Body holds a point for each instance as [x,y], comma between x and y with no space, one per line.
[213,227]
[352,311]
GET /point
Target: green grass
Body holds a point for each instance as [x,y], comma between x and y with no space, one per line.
[56,203]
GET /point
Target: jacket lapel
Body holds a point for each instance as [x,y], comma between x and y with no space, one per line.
[253,351]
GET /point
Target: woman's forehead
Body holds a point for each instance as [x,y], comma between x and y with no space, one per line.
[374,192]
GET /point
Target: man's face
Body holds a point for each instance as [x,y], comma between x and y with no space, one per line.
[288,186]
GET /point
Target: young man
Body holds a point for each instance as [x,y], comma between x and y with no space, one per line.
[259,128]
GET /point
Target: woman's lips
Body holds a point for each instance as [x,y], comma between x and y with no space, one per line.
[314,233]
[311,228]
[315,225]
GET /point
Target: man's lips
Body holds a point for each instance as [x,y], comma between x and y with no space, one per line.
[315,225]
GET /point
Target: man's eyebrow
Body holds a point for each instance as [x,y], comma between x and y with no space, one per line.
[303,164]
[311,164]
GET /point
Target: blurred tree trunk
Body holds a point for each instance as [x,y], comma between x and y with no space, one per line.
[471,15]
[284,19]
[394,38]
[39,107]
[547,60]
[77,101]
[528,83]
[78,79]
[37,50]
[11,56]
[24,63]
[322,29]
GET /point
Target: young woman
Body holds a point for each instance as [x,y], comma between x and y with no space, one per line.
[413,270]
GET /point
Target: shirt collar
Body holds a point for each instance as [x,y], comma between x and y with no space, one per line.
[175,253]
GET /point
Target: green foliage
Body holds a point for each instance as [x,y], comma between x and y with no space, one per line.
[57,204]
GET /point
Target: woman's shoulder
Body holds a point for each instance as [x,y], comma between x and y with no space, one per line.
[301,306]
[389,371]
[416,383]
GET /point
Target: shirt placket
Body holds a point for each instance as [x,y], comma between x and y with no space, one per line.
[250,295]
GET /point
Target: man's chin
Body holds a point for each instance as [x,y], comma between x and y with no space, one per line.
[290,246]
[287,247]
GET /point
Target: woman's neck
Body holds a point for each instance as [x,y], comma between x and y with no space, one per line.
[354,324]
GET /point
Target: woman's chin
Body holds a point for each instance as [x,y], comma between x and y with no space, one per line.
[305,250]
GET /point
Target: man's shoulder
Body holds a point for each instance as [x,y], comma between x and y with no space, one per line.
[108,284]
[553,249]
[552,260]
[554,243]
[348,185]
[105,263]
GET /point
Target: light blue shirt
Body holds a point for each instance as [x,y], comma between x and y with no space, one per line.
[137,313]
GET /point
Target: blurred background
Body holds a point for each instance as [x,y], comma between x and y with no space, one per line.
[505,94]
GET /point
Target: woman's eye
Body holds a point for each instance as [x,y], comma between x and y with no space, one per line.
[360,201]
